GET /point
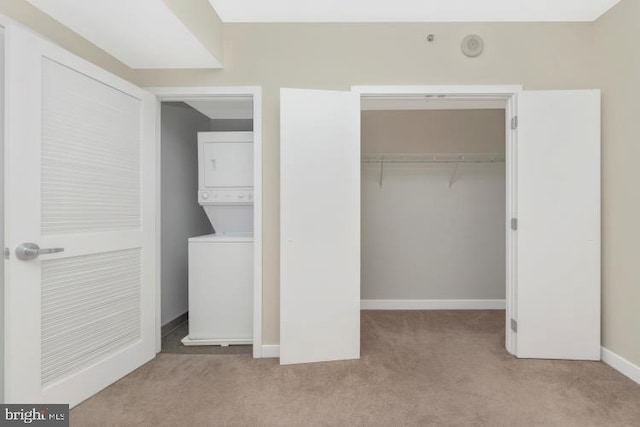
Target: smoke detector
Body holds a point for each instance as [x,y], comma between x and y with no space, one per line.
[472,45]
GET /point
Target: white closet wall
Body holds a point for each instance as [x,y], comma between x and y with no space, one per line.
[182,217]
[421,238]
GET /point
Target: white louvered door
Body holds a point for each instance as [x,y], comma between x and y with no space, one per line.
[80,176]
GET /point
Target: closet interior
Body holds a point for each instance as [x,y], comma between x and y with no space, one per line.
[433,204]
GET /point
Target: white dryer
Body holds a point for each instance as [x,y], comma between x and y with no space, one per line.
[221,264]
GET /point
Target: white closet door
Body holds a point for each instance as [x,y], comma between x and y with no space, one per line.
[320,226]
[558,249]
[80,176]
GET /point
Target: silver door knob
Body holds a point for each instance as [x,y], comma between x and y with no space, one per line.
[29,251]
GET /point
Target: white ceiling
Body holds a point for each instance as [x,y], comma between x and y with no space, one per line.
[410,10]
[140,33]
[238,107]
[147,34]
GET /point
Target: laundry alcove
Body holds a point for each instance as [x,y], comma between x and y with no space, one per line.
[207,224]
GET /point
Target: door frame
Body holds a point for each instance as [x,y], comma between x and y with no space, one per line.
[509,94]
[165,94]
[3,24]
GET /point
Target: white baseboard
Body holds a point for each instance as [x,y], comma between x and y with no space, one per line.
[270,351]
[621,365]
[434,304]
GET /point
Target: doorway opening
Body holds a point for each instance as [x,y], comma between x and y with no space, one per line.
[436,203]
[320,218]
[209,232]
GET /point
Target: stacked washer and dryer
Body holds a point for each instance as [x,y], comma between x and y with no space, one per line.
[221,264]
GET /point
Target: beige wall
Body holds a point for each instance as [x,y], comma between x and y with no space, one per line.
[616,35]
[29,16]
[539,56]
[336,56]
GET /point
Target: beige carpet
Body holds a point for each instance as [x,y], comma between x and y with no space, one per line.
[417,368]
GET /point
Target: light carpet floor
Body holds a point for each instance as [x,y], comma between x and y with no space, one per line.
[422,368]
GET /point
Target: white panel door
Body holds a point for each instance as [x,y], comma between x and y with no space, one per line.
[558,240]
[320,226]
[80,176]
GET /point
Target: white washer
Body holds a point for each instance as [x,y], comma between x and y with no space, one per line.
[220,289]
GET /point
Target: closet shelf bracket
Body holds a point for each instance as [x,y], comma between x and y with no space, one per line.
[455,171]
[381,170]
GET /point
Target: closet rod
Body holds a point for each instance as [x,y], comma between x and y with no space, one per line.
[432,158]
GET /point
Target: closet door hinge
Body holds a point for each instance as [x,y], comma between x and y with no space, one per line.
[514,325]
[514,224]
[514,122]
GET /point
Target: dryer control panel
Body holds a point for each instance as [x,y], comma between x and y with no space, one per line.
[226,196]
